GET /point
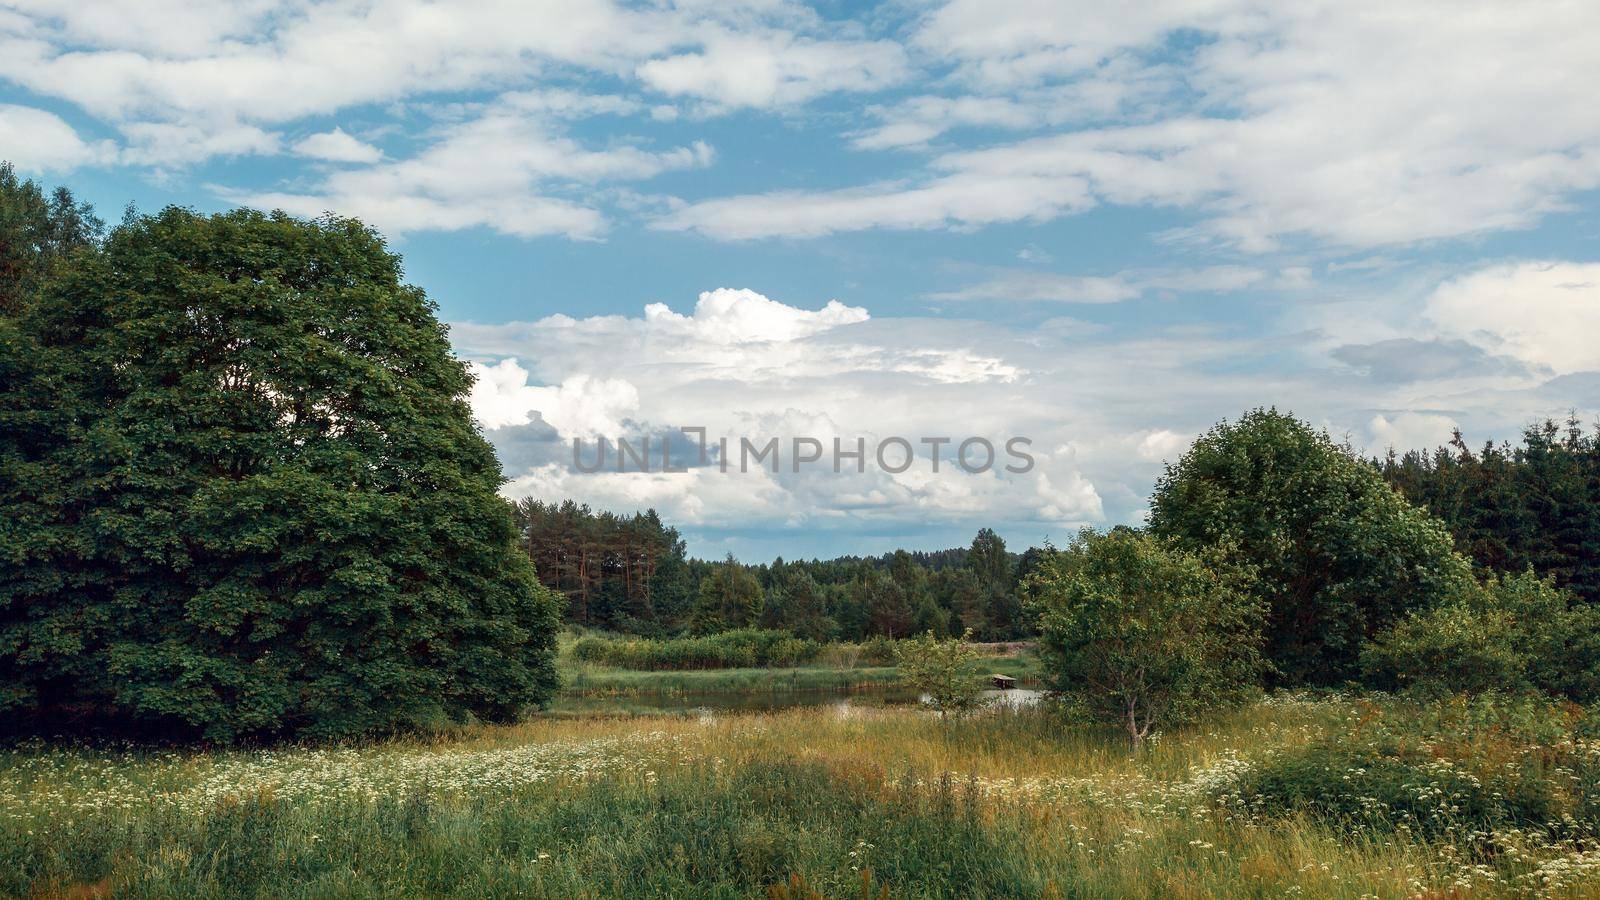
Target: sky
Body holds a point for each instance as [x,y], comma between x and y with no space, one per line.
[1098,228]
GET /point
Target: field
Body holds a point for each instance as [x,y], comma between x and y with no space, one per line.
[830,801]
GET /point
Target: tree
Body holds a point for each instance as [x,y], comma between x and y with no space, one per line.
[991,565]
[266,509]
[1142,633]
[1511,507]
[944,669]
[730,597]
[1337,555]
[1514,633]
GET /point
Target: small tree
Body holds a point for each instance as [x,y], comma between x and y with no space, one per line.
[1144,634]
[944,669]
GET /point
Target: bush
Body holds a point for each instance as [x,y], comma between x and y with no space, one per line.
[1517,633]
[1462,767]
[728,650]
[944,669]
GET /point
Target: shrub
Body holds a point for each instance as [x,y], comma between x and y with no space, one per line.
[1461,767]
[944,669]
[879,651]
[1513,633]
[729,649]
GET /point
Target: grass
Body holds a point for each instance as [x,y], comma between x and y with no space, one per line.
[837,802]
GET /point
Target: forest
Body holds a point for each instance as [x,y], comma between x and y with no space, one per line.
[630,574]
[1509,507]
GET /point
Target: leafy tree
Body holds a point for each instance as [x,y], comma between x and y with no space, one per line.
[888,610]
[994,571]
[262,507]
[1142,633]
[1515,633]
[943,668]
[730,597]
[1337,555]
[39,234]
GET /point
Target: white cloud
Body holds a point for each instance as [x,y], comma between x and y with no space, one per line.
[726,316]
[744,365]
[957,201]
[38,141]
[775,69]
[501,170]
[164,144]
[1162,446]
[1292,124]
[338,146]
[581,406]
[1106,288]
[1408,431]
[1546,314]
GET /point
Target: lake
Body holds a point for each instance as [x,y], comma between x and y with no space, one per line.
[691,703]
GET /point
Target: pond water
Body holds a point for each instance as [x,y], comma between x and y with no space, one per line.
[766,701]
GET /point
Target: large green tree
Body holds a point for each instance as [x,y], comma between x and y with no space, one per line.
[1337,554]
[254,501]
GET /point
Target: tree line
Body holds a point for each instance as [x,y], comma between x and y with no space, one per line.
[1511,507]
[1277,557]
[630,573]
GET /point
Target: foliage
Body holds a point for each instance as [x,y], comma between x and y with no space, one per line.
[729,597]
[1336,554]
[1534,505]
[1516,633]
[627,573]
[249,498]
[944,669]
[1143,634]
[1461,768]
[728,649]
[39,235]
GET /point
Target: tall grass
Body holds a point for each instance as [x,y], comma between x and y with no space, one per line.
[1010,804]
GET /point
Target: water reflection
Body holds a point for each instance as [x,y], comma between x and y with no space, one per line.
[711,703]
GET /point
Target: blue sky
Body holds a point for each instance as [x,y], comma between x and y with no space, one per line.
[1100,232]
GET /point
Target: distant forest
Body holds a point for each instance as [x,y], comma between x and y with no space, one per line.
[630,573]
[1510,507]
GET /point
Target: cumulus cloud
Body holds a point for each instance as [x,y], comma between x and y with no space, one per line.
[581,406]
[38,141]
[1545,314]
[1408,431]
[337,146]
[743,365]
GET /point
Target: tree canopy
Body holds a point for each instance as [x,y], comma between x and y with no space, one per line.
[245,494]
[1144,634]
[1336,554]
